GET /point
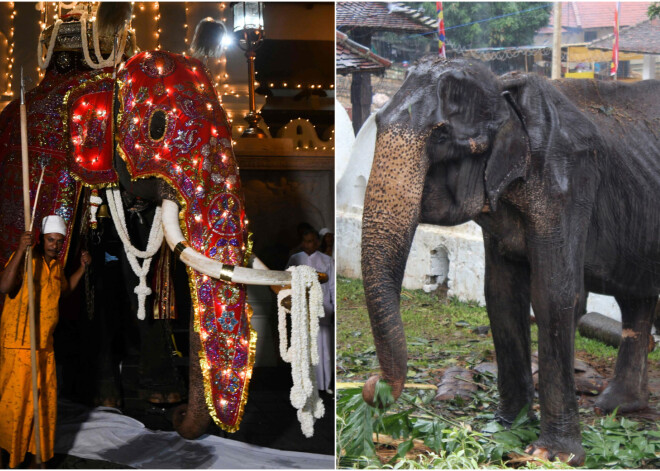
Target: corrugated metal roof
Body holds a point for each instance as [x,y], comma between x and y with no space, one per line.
[642,38]
[589,15]
[383,16]
[353,57]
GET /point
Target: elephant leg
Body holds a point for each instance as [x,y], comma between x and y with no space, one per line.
[109,314]
[191,420]
[656,317]
[557,291]
[159,376]
[507,301]
[628,390]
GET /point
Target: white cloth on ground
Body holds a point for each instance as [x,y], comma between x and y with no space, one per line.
[105,434]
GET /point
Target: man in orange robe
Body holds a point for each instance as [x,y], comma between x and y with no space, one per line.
[16,407]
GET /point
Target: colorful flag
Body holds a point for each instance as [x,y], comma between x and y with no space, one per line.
[441,30]
[615,46]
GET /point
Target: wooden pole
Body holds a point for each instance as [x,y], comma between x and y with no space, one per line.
[556,43]
[36,198]
[30,276]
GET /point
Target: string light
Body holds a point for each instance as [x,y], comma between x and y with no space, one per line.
[185,25]
[9,75]
[157,21]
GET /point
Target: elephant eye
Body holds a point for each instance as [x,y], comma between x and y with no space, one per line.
[157,125]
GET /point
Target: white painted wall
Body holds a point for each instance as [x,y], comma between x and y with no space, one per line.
[648,67]
[344,139]
[353,183]
[455,254]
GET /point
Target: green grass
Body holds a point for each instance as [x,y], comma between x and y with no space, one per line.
[439,334]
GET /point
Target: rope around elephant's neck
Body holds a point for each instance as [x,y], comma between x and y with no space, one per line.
[303,351]
[155,240]
[111,61]
[43,62]
[114,56]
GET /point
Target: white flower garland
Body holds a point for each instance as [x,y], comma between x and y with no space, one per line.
[112,59]
[43,62]
[303,351]
[114,56]
[94,202]
[155,240]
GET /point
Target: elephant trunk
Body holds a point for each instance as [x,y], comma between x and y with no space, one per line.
[391,214]
[193,419]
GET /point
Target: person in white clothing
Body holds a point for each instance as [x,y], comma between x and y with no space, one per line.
[310,256]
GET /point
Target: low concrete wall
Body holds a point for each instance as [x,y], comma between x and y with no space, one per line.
[451,256]
[439,255]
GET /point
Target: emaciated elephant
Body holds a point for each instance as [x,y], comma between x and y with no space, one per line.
[563,177]
[157,132]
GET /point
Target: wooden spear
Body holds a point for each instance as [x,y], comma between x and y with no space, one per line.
[30,277]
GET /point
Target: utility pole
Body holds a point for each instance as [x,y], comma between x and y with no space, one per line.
[556,43]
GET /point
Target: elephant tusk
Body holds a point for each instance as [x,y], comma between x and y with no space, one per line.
[257,264]
[208,266]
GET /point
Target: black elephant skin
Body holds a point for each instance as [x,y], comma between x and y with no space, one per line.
[563,177]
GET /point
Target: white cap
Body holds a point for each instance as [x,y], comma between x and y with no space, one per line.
[52,224]
[323,232]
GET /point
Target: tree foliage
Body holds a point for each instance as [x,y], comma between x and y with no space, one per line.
[474,25]
[654,10]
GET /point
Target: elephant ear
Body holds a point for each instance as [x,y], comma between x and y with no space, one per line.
[510,153]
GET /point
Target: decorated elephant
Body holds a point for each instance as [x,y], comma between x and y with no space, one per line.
[150,130]
[563,177]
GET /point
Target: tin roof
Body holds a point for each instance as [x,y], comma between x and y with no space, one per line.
[353,57]
[642,38]
[588,15]
[383,16]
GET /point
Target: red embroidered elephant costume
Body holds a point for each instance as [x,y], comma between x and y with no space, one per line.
[161,115]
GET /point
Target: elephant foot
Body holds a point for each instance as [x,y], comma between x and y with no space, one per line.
[570,452]
[616,395]
[108,394]
[108,402]
[167,398]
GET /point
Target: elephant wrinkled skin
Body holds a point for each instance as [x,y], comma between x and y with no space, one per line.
[563,178]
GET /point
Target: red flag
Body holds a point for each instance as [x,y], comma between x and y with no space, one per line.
[615,46]
[441,30]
